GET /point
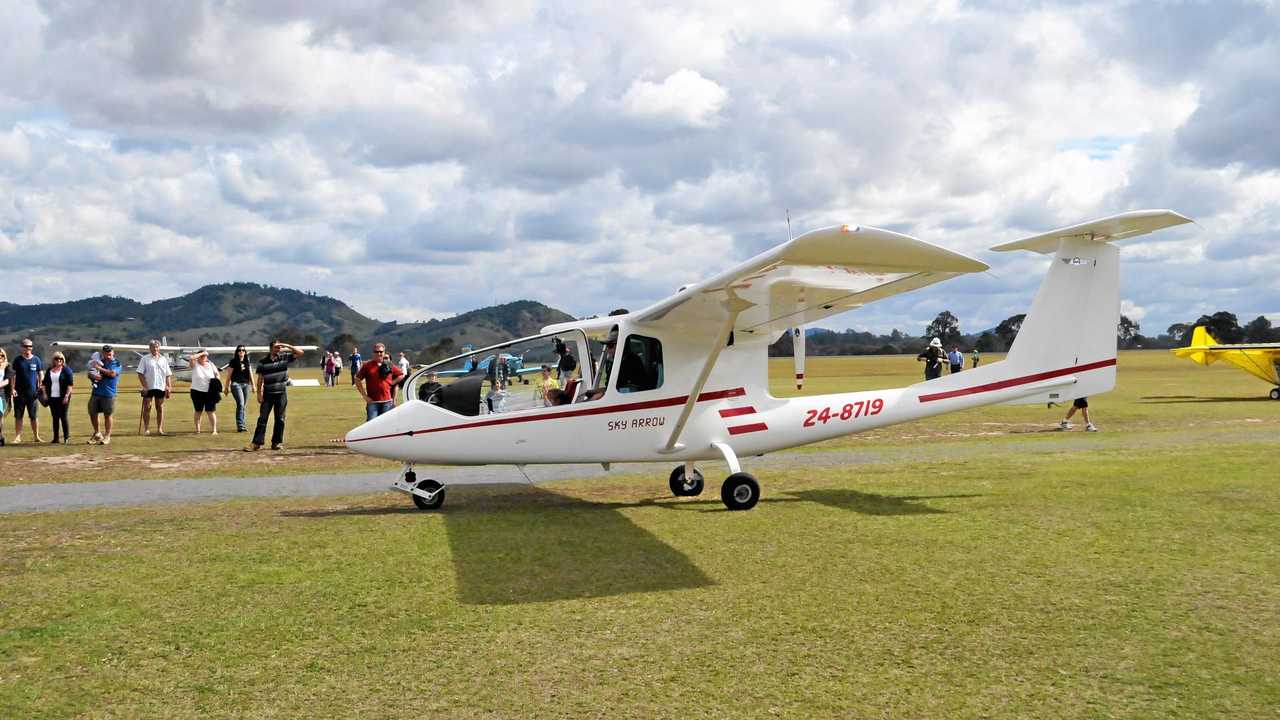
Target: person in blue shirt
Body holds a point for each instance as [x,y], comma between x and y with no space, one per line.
[355,363]
[27,369]
[103,398]
[956,359]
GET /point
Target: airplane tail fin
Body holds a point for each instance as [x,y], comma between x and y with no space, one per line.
[1197,352]
[1070,330]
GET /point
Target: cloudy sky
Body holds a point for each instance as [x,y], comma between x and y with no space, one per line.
[417,159]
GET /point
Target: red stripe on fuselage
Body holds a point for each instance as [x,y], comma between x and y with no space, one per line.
[754,427]
[599,410]
[1014,382]
[735,412]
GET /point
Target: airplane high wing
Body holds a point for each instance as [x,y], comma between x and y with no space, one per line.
[818,274]
[1261,360]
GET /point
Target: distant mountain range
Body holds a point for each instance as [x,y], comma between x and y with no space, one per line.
[249,313]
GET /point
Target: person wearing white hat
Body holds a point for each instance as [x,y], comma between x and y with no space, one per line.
[932,357]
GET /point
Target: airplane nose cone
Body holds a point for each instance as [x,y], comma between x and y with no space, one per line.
[378,436]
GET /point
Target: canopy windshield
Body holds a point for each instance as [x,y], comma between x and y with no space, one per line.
[507,377]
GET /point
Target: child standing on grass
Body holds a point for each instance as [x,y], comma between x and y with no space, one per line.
[1081,404]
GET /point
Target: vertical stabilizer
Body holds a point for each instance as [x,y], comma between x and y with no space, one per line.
[1071,326]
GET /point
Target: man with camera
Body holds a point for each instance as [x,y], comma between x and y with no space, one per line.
[376,380]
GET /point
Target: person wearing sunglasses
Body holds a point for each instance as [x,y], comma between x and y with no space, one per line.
[28,369]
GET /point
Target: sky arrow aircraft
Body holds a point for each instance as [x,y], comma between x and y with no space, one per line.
[686,379]
[1261,360]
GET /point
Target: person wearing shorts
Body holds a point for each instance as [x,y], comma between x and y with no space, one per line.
[1081,404]
[156,378]
[204,396]
[27,369]
[102,400]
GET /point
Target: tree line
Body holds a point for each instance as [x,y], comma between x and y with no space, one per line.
[1224,326]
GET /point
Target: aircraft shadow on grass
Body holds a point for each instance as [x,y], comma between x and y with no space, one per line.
[536,545]
[1176,399]
[873,504]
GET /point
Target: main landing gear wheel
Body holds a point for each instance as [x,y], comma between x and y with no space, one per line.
[740,491]
[682,486]
[1275,394]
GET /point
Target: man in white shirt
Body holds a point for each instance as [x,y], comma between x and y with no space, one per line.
[156,378]
[403,362]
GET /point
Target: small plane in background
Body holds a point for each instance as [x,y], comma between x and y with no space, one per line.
[691,379]
[1261,360]
[179,355]
[509,365]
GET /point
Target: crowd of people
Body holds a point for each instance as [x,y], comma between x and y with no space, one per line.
[28,384]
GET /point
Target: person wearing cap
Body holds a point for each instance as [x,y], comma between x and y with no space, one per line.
[56,387]
[566,364]
[429,389]
[156,378]
[932,357]
[27,369]
[102,399]
[204,393]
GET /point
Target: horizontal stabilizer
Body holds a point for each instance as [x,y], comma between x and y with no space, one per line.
[1115,227]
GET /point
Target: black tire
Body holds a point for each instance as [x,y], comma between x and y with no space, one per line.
[429,486]
[680,487]
[1275,393]
[740,491]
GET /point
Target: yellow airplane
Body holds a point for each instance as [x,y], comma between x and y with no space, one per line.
[1261,360]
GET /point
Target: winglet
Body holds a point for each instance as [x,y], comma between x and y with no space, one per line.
[1114,227]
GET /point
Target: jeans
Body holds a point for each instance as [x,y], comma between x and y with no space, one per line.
[271,403]
[240,391]
[374,409]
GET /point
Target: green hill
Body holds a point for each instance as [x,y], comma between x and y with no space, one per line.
[249,313]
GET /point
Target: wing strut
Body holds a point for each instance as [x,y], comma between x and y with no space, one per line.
[734,305]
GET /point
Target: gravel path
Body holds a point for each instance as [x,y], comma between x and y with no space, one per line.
[72,496]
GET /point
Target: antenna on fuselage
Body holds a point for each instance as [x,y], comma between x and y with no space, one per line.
[789,235]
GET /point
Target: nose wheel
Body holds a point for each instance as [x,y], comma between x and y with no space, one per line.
[1275,393]
[685,484]
[426,494]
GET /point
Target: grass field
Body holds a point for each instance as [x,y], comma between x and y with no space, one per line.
[976,565]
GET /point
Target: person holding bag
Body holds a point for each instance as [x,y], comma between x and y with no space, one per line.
[55,391]
[204,395]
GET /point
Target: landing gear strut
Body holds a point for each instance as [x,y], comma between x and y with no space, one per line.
[740,491]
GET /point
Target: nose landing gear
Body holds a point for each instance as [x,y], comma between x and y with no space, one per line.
[426,494]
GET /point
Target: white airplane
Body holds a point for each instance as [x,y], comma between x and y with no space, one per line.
[690,382]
